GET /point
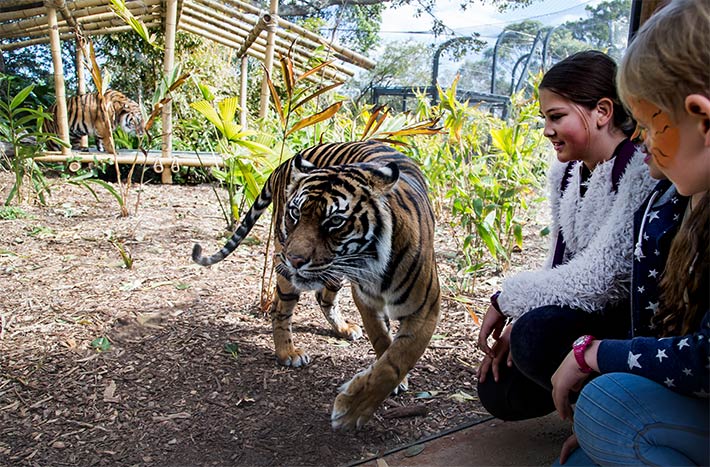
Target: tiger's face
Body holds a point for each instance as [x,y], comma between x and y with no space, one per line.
[130,118]
[335,224]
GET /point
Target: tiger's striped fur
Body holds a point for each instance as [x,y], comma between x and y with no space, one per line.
[86,118]
[358,211]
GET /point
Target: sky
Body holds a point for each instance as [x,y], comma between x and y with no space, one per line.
[402,24]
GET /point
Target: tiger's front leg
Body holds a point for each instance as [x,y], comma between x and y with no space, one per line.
[327,299]
[359,398]
[281,317]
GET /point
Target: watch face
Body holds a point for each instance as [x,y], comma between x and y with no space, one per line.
[579,341]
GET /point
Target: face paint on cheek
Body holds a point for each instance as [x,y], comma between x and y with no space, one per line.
[663,137]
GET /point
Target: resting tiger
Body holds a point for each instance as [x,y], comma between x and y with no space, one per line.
[358,211]
[85,118]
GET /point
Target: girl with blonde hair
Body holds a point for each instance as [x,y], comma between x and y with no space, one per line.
[650,403]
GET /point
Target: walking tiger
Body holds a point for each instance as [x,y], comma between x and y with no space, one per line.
[85,118]
[358,211]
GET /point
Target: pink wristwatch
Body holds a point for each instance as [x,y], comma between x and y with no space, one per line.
[579,346]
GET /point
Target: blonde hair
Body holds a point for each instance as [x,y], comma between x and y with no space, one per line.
[669,58]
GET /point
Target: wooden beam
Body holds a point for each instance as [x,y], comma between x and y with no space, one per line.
[68,36]
[243,92]
[214,30]
[168,66]
[353,57]
[60,91]
[84,17]
[263,23]
[140,159]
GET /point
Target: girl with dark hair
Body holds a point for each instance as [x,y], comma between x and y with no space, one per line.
[595,186]
[649,403]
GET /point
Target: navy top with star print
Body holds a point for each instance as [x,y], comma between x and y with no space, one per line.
[655,224]
[681,363]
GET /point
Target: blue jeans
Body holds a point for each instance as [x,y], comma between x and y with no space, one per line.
[625,419]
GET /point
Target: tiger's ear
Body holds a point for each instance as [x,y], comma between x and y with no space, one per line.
[384,178]
[300,166]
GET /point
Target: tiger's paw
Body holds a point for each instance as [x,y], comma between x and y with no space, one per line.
[295,358]
[356,403]
[350,331]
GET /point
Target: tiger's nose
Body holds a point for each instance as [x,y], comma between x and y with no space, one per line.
[296,261]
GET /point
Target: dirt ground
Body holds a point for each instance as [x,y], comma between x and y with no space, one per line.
[189,377]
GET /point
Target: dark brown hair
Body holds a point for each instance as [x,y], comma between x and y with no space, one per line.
[585,78]
[684,286]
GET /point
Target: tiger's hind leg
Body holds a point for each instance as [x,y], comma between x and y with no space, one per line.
[328,300]
[281,317]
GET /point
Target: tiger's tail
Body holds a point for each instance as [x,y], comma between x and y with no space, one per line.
[255,211]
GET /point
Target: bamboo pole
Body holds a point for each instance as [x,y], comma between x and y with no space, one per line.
[24,13]
[140,159]
[353,57]
[216,26]
[81,82]
[269,59]
[55,44]
[21,28]
[168,66]
[206,15]
[243,92]
[263,23]
[202,27]
[67,36]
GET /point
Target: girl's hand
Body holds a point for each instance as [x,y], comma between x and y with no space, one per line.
[499,353]
[493,323]
[568,378]
[568,447]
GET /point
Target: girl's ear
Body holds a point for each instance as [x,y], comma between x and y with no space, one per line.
[605,111]
[698,108]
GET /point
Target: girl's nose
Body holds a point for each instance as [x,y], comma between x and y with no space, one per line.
[548,131]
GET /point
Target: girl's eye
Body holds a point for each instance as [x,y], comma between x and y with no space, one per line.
[554,118]
[294,212]
[639,133]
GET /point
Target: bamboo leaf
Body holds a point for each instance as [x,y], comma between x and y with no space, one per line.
[275,97]
[413,131]
[319,117]
[287,73]
[21,96]
[209,112]
[228,108]
[314,70]
[371,121]
[318,93]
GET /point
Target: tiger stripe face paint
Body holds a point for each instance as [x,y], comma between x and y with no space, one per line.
[661,136]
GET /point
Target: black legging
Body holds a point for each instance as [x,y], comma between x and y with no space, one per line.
[539,341]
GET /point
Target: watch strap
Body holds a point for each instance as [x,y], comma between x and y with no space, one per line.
[578,348]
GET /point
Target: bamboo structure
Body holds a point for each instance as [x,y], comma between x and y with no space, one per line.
[243,93]
[62,122]
[269,58]
[81,81]
[233,23]
[168,66]
[352,57]
[138,159]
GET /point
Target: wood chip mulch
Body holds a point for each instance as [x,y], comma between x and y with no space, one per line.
[188,377]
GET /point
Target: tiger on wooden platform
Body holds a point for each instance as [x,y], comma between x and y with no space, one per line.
[358,211]
[85,118]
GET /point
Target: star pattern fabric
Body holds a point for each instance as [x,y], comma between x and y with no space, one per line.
[652,245]
[680,363]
